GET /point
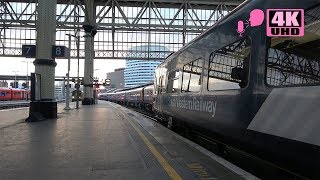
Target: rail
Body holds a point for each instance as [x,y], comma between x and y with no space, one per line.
[17,104]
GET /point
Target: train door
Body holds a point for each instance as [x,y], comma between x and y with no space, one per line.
[29,94]
[160,95]
[23,94]
[157,89]
[142,93]
[129,98]
[137,95]
[15,94]
[10,96]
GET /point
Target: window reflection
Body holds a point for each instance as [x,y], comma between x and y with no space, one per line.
[191,78]
[229,66]
[173,81]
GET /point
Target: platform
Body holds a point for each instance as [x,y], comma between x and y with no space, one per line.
[103,141]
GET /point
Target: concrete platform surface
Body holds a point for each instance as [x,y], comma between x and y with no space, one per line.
[103,141]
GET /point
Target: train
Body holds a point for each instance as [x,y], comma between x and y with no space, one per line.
[241,87]
[77,95]
[140,97]
[13,94]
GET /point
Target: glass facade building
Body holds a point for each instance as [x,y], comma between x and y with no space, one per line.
[139,72]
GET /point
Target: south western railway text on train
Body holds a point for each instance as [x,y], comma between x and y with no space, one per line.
[193,104]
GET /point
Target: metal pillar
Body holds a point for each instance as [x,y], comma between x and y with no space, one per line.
[64,88]
[15,79]
[88,70]
[68,77]
[27,82]
[44,63]
[185,15]
[78,79]
[90,32]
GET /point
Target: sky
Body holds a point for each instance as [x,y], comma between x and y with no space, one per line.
[12,66]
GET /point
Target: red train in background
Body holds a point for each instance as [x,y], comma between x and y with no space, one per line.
[12,94]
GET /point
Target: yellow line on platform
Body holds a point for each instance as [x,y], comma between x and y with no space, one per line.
[164,163]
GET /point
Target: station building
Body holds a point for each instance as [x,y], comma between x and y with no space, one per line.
[116,78]
[138,72]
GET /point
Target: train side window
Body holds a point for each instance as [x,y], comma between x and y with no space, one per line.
[162,83]
[191,76]
[295,61]
[173,80]
[292,64]
[229,66]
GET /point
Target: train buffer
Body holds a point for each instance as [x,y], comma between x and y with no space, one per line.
[105,141]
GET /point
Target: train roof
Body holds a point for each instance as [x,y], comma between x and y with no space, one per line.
[6,88]
[136,87]
[175,54]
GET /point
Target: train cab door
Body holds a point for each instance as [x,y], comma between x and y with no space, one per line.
[159,99]
[160,89]
[157,90]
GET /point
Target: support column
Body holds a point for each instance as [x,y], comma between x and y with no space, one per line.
[185,16]
[90,31]
[44,63]
[88,67]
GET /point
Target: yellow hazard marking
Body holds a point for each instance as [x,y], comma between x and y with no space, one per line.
[164,163]
[200,171]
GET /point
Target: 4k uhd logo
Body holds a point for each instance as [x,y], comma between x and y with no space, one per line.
[285,22]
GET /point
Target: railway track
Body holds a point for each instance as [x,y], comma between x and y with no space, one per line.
[17,104]
[13,104]
[259,167]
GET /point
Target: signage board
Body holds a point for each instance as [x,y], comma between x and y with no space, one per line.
[29,51]
[60,52]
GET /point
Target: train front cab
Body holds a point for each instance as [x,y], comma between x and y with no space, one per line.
[5,94]
[77,95]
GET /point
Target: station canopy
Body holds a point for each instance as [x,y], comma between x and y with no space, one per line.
[122,25]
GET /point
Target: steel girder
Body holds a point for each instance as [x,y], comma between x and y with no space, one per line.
[121,25]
